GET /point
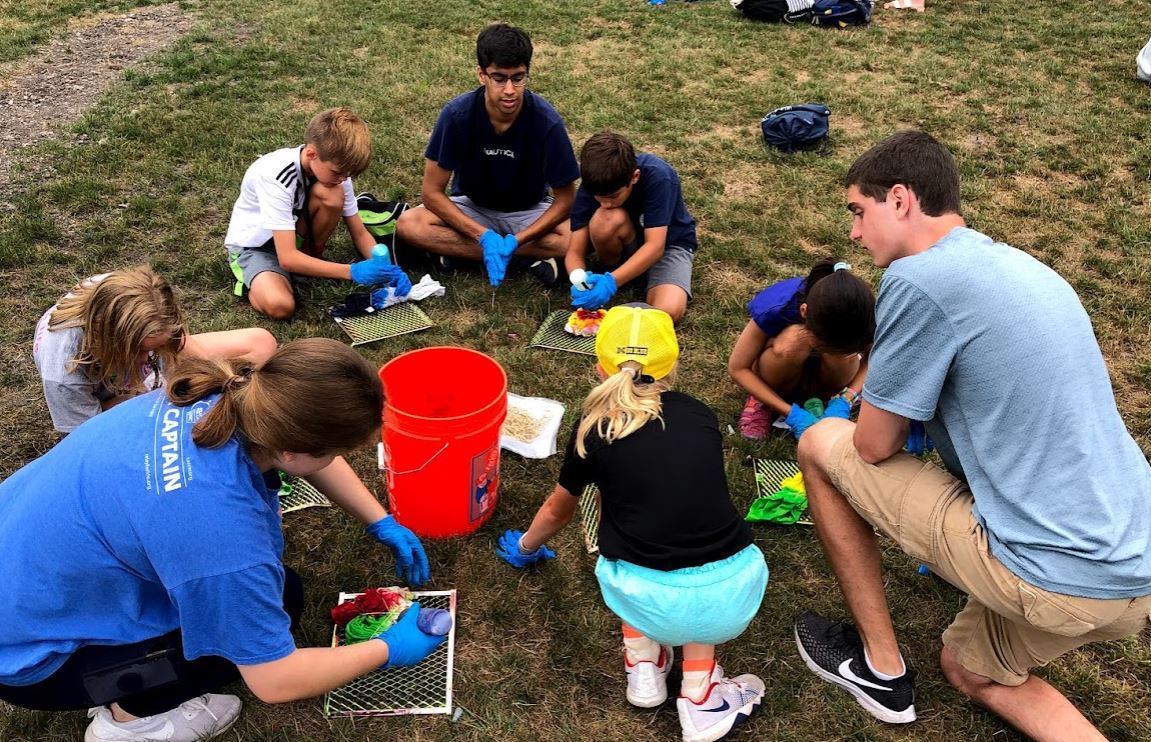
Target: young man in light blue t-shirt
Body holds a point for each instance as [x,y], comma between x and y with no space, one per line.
[1043,516]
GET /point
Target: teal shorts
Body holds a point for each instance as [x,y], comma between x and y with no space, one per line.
[710,604]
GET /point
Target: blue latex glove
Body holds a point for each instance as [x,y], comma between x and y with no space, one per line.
[509,550]
[510,246]
[799,420]
[495,259]
[918,441]
[600,289]
[838,407]
[411,561]
[407,645]
[373,272]
[400,282]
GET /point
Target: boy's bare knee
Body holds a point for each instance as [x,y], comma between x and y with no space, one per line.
[609,225]
[815,445]
[276,309]
[327,197]
[411,224]
[970,684]
[273,304]
[671,299]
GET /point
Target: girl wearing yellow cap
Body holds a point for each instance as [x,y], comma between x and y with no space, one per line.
[677,563]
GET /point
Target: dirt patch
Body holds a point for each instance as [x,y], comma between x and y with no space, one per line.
[41,96]
[743,182]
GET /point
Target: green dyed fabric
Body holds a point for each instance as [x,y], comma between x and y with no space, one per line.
[785,506]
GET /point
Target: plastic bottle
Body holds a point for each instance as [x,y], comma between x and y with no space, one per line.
[434,621]
[657,3]
[380,252]
[579,278]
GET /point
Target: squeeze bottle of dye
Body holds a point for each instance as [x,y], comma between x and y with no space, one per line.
[434,621]
[578,278]
[380,252]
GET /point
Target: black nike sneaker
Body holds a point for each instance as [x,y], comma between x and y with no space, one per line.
[834,652]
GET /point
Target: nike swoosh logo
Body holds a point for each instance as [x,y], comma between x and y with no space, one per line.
[717,709]
[846,673]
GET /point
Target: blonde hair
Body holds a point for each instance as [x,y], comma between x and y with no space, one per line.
[619,406]
[315,396]
[117,314]
[341,138]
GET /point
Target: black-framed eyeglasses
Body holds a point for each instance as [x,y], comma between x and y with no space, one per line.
[518,80]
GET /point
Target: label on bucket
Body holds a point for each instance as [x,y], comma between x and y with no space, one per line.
[485,482]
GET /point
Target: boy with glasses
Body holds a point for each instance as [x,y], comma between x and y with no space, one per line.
[502,147]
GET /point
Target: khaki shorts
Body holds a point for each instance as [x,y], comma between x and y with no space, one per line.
[1008,625]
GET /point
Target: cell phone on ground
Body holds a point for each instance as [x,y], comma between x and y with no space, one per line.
[128,678]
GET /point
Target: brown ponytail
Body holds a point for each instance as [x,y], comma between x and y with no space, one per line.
[314,396]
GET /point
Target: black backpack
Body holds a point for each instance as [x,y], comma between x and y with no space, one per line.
[770,11]
[797,127]
[840,13]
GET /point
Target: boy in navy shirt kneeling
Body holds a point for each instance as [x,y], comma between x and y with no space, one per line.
[630,210]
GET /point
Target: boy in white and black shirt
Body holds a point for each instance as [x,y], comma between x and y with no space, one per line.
[290,203]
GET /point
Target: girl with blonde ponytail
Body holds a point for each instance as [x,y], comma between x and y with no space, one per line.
[153,526]
[676,563]
[114,335]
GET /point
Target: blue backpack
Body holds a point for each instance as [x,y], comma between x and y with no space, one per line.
[796,127]
[841,13]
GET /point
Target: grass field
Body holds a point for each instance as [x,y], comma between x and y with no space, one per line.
[1037,100]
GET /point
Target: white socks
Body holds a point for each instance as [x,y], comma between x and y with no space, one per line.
[883,675]
[641,649]
[696,683]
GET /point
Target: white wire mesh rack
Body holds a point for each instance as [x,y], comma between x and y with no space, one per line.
[425,688]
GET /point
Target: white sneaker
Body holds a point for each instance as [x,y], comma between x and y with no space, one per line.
[729,701]
[647,681]
[197,719]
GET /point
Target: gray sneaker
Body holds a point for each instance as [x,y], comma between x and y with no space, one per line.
[197,719]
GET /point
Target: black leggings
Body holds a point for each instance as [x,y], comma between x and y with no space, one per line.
[145,678]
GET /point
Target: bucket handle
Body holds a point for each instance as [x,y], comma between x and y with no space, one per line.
[384,466]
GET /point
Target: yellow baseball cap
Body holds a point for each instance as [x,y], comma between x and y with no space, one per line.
[637,333]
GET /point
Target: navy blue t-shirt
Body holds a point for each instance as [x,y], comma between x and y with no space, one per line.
[655,201]
[505,172]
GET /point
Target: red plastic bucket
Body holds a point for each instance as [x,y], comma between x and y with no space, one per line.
[443,410]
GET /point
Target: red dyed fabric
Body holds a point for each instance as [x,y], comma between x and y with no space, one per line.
[373,600]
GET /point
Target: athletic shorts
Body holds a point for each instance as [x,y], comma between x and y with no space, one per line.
[248,262]
[503,222]
[1008,626]
[673,267]
[710,604]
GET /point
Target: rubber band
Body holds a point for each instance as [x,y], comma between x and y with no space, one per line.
[241,378]
[840,266]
